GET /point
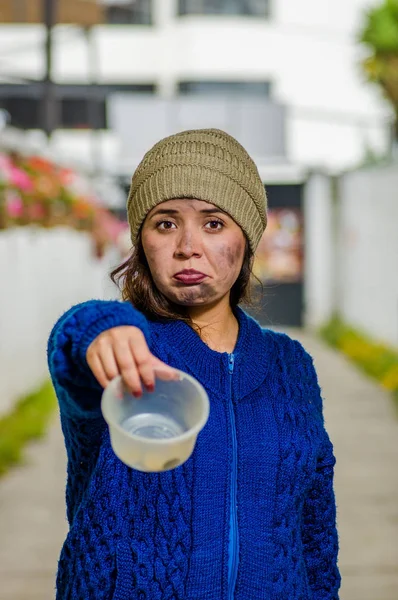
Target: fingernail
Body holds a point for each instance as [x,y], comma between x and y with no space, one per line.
[150,387]
[137,394]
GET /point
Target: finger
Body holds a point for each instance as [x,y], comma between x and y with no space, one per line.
[108,361]
[143,357]
[147,375]
[127,367]
[98,371]
[139,347]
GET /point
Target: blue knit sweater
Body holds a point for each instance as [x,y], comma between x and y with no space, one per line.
[250,515]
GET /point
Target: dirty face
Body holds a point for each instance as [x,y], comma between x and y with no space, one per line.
[194,251]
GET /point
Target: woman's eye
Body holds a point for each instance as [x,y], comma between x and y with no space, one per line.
[163,225]
[215,225]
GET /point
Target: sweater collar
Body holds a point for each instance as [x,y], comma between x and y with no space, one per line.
[211,367]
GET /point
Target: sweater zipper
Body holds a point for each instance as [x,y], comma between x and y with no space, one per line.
[233,519]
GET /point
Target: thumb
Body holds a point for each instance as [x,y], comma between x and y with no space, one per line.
[163,371]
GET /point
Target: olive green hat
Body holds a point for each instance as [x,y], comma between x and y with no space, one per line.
[206,164]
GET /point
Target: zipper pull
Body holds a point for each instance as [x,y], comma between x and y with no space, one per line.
[231,363]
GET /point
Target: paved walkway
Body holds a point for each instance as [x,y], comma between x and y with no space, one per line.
[364,428]
[363,425]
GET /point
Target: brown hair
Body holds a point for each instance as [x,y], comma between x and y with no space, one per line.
[134,279]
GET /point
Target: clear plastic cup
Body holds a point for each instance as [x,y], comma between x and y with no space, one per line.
[158,431]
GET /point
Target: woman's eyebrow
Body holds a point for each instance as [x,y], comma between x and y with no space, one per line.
[211,211]
[164,211]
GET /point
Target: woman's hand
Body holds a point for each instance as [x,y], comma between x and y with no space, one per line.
[124,351]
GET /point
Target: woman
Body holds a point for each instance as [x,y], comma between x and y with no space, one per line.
[251,514]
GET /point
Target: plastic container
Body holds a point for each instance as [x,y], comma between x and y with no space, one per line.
[158,431]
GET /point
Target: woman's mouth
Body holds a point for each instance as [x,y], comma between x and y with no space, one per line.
[190,276]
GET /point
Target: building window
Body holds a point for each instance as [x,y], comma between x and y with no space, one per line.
[24,111]
[79,106]
[133,12]
[255,8]
[225,88]
[83,113]
[74,113]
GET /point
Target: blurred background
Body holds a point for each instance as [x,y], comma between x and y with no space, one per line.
[310,88]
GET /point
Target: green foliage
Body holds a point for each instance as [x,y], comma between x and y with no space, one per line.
[380,35]
[377,360]
[380,31]
[26,422]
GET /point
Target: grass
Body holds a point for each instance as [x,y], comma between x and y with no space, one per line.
[378,360]
[27,421]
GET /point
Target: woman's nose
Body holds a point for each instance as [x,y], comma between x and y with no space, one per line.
[188,244]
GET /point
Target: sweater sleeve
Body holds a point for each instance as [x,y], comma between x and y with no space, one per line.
[319,531]
[77,389]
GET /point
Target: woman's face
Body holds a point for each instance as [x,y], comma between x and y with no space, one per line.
[194,251]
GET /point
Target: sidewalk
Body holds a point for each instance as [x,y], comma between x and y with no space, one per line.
[33,522]
[364,429]
[363,425]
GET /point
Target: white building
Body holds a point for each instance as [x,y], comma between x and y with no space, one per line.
[301,57]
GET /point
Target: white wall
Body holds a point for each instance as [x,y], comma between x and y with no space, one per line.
[352,251]
[43,273]
[307,50]
[319,264]
[368,251]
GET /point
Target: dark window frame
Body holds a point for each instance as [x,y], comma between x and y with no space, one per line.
[209,8]
[91,114]
[83,113]
[254,89]
[139,12]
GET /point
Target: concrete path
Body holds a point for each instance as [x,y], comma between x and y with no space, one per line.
[33,522]
[362,423]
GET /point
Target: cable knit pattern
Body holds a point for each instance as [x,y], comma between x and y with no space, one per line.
[165,536]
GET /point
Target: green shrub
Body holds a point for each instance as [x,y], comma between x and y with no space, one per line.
[26,422]
[375,359]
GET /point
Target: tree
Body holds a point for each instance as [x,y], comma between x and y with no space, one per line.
[380,35]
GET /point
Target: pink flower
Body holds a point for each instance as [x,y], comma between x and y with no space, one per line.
[20,179]
[14,205]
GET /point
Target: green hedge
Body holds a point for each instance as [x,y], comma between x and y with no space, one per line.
[26,422]
[377,360]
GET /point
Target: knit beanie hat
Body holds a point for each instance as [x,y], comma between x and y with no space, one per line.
[206,164]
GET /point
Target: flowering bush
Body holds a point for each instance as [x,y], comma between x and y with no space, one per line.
[377,360]
[34,190]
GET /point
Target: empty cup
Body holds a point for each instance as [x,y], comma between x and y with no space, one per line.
[158,431]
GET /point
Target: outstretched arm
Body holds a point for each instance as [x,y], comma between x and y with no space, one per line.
[77,389]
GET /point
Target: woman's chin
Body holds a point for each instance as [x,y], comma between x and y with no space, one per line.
[191,302]
[188,298]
